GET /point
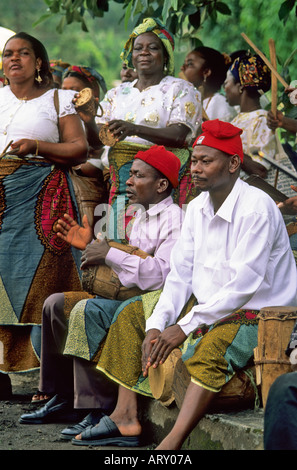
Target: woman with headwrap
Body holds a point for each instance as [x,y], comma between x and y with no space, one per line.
[247,79]
[206,68]
[155,108]
[38,146]
[77,78]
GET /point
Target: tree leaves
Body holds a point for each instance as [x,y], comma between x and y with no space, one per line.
[174,13]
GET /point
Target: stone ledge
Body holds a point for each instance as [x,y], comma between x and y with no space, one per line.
[236,430]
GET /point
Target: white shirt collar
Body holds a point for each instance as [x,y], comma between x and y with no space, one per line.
[226,209]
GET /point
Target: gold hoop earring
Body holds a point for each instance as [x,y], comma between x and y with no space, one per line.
[38,78]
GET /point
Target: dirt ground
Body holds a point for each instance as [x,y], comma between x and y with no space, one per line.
[18,437]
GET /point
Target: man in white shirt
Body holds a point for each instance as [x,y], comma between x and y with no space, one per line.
[234,255]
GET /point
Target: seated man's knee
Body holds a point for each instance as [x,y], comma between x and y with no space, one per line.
[53,303]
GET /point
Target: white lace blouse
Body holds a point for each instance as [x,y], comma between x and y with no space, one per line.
[32,119]
[172,101]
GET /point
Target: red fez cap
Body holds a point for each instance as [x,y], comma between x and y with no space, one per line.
[163,160]
[222,136]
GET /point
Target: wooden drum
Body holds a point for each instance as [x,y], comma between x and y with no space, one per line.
[102,280]
[275,327]
[169,382]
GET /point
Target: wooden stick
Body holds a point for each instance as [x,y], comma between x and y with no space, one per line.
[6,148]
[264,58]
[273,77]
[273,92]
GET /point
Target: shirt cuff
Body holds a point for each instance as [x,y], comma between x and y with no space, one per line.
[115,257]
[154,323]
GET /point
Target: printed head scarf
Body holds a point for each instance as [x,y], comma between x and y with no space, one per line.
[251,72]
[150,25]
[89,74]
[58,67]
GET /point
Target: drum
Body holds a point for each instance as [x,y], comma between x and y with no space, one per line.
[85,101]
[275,327]
[102,280]
[169,382]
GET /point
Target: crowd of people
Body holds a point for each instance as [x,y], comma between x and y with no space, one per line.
[167,155]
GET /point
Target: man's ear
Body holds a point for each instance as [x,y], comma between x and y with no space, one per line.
[234,163]
[163,185]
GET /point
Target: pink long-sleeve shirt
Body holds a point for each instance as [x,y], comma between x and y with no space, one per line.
[154,231]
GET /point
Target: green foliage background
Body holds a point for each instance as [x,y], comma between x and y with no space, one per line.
[101,45]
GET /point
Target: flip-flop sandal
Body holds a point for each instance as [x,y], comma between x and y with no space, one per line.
[105,433]
[37,400]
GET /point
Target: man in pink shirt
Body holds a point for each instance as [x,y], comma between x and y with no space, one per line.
[74,382]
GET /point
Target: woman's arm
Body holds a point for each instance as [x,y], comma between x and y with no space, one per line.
[71,151]
[171,136]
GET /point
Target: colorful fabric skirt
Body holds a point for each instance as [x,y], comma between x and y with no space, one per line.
[88,324]
[211,354]
[34,261]
[117,222]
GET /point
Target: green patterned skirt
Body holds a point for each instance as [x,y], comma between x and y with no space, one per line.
[211,354]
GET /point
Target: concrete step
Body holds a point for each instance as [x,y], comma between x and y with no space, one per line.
[232,430]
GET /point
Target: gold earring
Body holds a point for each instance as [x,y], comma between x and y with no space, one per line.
[38,78]
[5,79]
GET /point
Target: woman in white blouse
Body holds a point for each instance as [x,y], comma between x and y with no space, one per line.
[37,146]
[206,68]
[247,79]
[155,108]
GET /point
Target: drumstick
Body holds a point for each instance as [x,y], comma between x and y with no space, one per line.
[264,58]
[273,78]
[4,151]
[273,92]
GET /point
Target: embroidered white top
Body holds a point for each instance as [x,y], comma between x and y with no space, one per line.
[32,119]
[172,101]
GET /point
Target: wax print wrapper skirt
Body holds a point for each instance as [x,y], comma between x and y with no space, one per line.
[34,261]
[211,354]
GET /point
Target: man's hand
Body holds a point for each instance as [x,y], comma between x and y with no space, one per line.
[147,345]
[70,231]
[95,253]
[273,122]
[161,346]
[289,206]
[252,167]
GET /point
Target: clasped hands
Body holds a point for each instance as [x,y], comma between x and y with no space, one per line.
[80,237]
[157,346]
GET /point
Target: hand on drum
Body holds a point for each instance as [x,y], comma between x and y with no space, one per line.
[95,253]
[161,346]
[70,231]
[121,129]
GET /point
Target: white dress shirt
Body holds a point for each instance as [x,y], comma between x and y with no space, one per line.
[239,257]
